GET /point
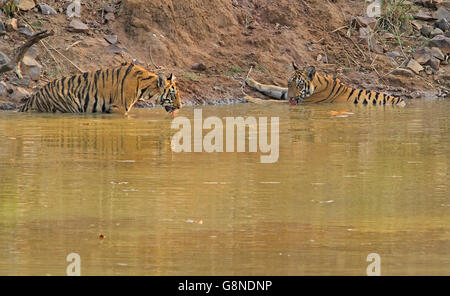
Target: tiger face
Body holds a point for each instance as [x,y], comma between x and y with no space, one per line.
[300,84]
[170,97]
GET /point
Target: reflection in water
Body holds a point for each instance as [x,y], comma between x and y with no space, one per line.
[344,186]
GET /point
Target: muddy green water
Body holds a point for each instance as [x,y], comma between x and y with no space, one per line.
[376,181]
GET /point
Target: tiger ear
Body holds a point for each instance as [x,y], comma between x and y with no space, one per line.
[311,72]
[294,65]
[171,77]
[161,81]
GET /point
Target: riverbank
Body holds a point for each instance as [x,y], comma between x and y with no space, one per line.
[211,45]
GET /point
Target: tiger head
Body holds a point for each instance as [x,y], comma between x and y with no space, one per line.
[170,98]
[165,91]
[300,84]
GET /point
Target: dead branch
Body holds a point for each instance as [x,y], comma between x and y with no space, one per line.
[14,64]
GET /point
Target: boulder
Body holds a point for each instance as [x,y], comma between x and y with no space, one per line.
[440,41]
[414,66]
[442,24]
[25,4]
[198,67]
[46,9]
[442,13]
[77,26]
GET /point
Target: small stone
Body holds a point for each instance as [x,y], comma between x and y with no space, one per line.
[403,72]
[7,106]
[12,24]
[440,41]
[414,66]
[77,26]
[388,36]
[35,73]
[426,30]
[25,31]
[442,13]
[25,81]
[25,5]
[424,16]
[436,32]
[46,9]
[365,21]
[428,70]
[2,28]
[110,16]
[112,39]
[30,62]
[393,54]
[108,9]
[416,24]
[114,49]
[447,34]
[442,24]
[198,67]
[4,59]
[434,63]
[437,53]
[19,94]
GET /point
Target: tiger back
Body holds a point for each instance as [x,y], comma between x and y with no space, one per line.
[113,90]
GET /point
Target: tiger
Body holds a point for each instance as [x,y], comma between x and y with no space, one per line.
[112,90]
[308,86]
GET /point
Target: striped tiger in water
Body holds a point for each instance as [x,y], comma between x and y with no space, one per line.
[308,86]
[113,90]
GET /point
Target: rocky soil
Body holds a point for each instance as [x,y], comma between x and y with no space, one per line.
[211,45]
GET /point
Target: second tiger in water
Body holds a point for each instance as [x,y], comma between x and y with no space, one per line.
[113,90]
[308,86]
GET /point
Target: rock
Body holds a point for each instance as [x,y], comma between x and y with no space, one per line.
[3,89]
[7,107]
[114,49]
[2,28]
[25,4]
[426,30]
[364,33]
[32,52]
[436,32]
[393,54]
[35,73]
[440,41]
[424,16]
[414,66]
[30,62]
[447,34]
[4,59]
[437,53]
[108,9]
[112,39]
[25,81]
[365,21]
[19,94]
[442,13]
[198,67]
[403,72]
[416,24]
[11,24]
[110,17]
[388,36]
[26,31]
[442,24]
[77,26]
[434,63]
[428,70]
[444,3]
[46,9]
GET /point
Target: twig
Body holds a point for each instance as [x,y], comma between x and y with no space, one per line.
[70,61]
[335,30]
[243,83]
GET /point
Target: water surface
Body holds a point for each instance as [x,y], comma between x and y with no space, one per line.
[375,181]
